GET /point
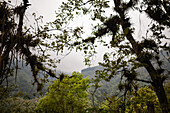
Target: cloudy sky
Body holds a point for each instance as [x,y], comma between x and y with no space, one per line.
[74,61]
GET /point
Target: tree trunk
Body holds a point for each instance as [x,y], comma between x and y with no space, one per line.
[160,92]
[150,107]
[157,80]
[123,108]
[157,83]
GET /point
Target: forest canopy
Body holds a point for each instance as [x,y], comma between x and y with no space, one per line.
[32,47]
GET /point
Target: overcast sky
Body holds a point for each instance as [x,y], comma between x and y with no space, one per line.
[74,61]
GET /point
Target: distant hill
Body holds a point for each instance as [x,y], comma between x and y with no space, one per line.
[91,71]
[111,87]
[24,81]
[108,88]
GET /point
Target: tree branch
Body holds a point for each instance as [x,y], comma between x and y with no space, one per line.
[146,81]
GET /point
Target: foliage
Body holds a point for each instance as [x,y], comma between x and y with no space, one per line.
[21,44]
[136,103]
[105,102]
[129,53]
[66,96]
[103,87]
[167,89]
[141,100]
[5,91]
[17,105]
[111,104]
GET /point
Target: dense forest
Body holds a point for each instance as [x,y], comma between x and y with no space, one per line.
[132,78]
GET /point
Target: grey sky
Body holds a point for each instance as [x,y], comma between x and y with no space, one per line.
[74,61]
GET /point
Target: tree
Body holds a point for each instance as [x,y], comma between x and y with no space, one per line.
[16,104]
[130,53]
[18,44]
[112,104]
[144,100]
[66,96]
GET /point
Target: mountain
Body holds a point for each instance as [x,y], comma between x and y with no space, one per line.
[24,82]
[111,87]
[24,79]
[107,87]
[90,72]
